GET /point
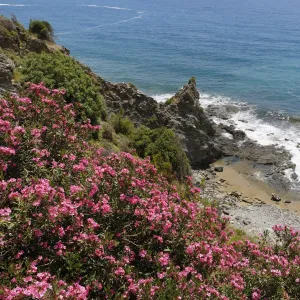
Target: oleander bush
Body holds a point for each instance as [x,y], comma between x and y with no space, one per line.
[77,223]
[58,70]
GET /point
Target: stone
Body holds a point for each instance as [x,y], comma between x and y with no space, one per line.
[226,206]
[219,169]
[236,194]
[288,201]
[294,176]
[275,198]
[248,200]
[239,135]
[246,222]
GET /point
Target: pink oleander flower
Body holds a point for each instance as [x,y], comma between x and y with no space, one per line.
[7,151]
[5,214]
[120,271]
[164,259]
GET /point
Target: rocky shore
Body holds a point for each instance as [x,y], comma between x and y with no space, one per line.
[247,201]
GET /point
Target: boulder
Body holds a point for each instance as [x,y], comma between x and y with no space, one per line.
[275,198]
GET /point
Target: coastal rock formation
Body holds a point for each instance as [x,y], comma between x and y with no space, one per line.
[6,74]
[141,109]
[183,114]
[189,121]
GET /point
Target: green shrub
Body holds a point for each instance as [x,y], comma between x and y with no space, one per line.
[59,71]
[122,124]
[170,101]
[165,150]
[107,132]
[42,29]
[192,80]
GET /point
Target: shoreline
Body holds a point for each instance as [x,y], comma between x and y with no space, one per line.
[246,199]
[242,178]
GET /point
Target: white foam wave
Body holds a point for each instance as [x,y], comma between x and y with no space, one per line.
[100,26]
[110,24]
[116,7]
[282,134]
[264,133]
[14,5]
[162,98]
[109,7]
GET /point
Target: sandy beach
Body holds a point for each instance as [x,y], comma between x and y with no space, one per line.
[243,178]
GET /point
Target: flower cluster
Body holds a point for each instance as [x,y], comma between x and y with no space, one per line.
[77,222]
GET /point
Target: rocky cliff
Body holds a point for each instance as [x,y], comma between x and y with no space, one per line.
[6,74]
[182,113]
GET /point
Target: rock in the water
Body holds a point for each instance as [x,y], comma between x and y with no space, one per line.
[219,169]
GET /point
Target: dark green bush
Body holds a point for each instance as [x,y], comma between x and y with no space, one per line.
[59,71]
[122,124]
[192,80]
[165,150]
[42,29]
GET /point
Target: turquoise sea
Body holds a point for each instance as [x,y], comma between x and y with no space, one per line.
[242,52]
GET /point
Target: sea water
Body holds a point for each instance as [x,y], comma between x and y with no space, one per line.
[244,53]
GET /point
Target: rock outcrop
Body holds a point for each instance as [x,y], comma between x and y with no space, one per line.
[183,114]
[6,74]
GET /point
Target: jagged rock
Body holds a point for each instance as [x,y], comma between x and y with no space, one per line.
[219,169]
[141,109]
[6,74]
[185,116]
[36,45]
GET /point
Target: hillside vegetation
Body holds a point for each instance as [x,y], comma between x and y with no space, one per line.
[78,223]
[93,207]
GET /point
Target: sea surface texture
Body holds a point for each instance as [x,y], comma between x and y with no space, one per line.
[243,53]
